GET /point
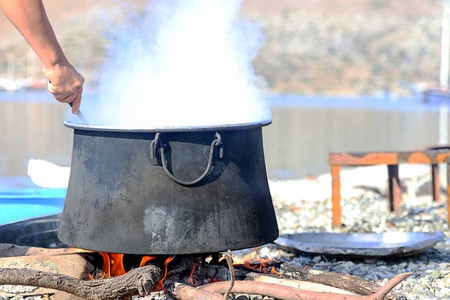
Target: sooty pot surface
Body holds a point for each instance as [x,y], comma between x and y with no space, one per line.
[168,191]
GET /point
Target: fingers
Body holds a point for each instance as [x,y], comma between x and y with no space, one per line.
[74,98]
[66,85]
[77,101]
[64,98]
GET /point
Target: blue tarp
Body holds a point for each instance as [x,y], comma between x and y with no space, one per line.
[23,204]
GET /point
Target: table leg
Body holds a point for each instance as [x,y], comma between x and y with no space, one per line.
[448,194]
[394,189]
[435,182]
[336,210]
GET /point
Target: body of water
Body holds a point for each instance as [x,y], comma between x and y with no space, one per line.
[306,129]
[303,132]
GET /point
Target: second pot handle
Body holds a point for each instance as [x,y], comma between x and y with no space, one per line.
[157,143]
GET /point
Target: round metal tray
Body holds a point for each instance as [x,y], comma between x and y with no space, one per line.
[361,244]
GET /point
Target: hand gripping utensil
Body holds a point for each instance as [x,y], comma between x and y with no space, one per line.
[80,115]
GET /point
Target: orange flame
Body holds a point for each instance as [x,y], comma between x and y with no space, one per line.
[192,281]
[246,259]
[145,260]
[168,260]
[159,287]
[117,268]
[113,265]
[254,261]
[273,271]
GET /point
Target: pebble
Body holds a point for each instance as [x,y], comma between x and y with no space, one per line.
[17,289]
[435,274]
[413,267]
[402,265]
[243,297]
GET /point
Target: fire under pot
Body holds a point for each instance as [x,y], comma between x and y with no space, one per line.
[177,190]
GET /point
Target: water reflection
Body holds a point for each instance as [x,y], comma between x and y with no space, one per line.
[297,142]
[304,132]
[31,130]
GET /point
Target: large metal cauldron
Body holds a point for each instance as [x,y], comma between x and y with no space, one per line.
[168,190]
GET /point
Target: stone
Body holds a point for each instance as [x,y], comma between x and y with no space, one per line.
[382,275]
[435,274]
[356,271]
[380,263]
[412,281]
[348,264]
[317,258]
[17,289]
[417,291]
[413,267]
[402,265]
[429,294]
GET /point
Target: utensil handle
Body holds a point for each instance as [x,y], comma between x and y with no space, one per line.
[79,114]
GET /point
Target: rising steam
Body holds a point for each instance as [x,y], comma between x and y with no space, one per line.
[182,63]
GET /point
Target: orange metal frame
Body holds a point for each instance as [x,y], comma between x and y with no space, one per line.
[392,160]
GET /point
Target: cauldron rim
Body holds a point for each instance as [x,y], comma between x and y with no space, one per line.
[222,127]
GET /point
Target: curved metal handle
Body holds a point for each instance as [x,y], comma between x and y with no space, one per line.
[157,143]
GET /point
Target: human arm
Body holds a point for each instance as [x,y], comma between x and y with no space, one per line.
[30,18]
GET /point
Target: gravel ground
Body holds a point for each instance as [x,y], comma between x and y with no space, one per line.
[305,206]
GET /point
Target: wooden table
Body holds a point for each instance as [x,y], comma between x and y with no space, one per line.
[432,157]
